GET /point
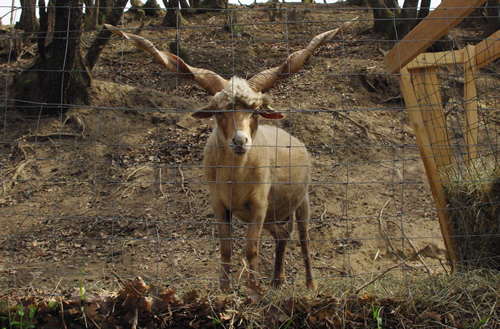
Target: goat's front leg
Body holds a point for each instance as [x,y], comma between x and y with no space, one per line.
[258,210]
[223,221]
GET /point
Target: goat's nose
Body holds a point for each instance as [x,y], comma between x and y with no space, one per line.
[240,139]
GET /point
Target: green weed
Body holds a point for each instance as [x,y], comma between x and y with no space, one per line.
[376,315]
[216,321]
[20,323]
[289,322]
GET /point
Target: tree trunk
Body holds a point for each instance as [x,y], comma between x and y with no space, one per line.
[407,18]
[187,10]
[383,18]
[102,38]
[394,23]
[492,18]
[136,3]
[357,3]
[151,8]
[44,28]
[51,16]
[91,17]
[173,17]
[424,9]
[105,9]
[214,4]
[194,3]
[47,22]
[137,8]
[58,77]
[476,20]
[28,21]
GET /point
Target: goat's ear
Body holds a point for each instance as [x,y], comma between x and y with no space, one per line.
[202,114]
[267,111]
[272,115]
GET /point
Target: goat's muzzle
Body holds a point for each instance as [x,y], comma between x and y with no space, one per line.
[241,143]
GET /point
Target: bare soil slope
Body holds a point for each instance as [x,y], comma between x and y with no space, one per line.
[116,187]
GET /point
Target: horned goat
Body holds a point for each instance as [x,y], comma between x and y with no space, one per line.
[259,174]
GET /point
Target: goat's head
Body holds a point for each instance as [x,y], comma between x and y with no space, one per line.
[237,109]
[237,104]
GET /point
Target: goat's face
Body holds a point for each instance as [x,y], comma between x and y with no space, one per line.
[237,109]
[237,128]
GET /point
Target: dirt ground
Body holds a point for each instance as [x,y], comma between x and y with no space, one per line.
[114,189]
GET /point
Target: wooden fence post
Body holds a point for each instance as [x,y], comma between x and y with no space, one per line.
[470,98]
[431,166]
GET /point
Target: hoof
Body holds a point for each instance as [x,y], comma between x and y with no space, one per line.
[277,282]
[311,284]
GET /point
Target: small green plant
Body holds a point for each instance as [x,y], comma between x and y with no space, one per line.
[20,324]
[289,322]
[32,313]
[53,305]
[216,321]
[481,323]
[82,294]
[237,30]
[376,315]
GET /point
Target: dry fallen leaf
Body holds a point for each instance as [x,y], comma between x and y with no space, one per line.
[190,296]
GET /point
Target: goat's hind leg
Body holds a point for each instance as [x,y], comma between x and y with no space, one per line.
[281,235]
[303,215]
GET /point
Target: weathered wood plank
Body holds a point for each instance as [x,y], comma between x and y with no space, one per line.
[488,50]
[470,96]
[436,59]
[431,168]
[428,93]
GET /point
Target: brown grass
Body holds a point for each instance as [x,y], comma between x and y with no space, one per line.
[473,193]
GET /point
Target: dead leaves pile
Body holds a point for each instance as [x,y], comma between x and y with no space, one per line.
[139,305]
[136,305]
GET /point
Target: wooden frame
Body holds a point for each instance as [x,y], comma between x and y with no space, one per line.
[439,22]
[418,78]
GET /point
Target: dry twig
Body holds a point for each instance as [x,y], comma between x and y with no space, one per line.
[324,212]
[62,312]
[357,124]
[7,186]
[383,232]
[135,319]
[388,270]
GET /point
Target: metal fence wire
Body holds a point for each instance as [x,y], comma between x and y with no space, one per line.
[112,189]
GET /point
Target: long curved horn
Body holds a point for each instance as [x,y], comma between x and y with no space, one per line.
[208,80]
[266,79]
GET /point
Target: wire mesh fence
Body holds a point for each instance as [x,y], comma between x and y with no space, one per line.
[110,189]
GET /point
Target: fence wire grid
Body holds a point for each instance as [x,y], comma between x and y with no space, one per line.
[114,188]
